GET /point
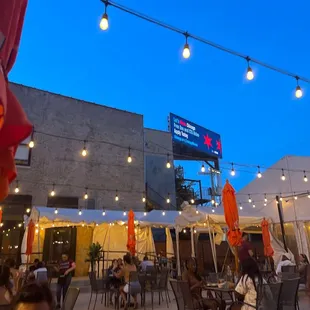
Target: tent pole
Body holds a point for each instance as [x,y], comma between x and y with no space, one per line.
[192,242]
[212,250]
[178,250]
[280,211]
[214,247]
[109,232]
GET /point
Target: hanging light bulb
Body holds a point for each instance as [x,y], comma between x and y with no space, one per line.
[145,213]
[213,201]
[86,194]
[250,199]
[168,198]
[28,210]
[240,207]
[16,190]
[232,172]
[265,204]
[305,177]
[283,178]
[203,169]
[213,210]
[298,90]
[31,144]
[164,213]
[180,212]
[53,191]
[80,212]
[281,197]
[197,212]
[56,211]
[249,72]
[184,231]
[265,199]
[192,201]
[253,205]
[84,151]
[129,158]
[186,50]
[125,213]
[308,194]
[103,212]
[259,174]
[295,196]
[168,164]
[143,198]
[104,22]
[195,231]
[116,196]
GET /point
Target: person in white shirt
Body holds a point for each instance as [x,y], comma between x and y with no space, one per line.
[40,268]
[285,262]
[146,262]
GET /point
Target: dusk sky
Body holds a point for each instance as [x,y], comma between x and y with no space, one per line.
[138,67]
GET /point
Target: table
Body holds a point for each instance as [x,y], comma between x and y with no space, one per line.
[219,292]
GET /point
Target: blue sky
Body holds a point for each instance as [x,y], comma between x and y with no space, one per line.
[137,66]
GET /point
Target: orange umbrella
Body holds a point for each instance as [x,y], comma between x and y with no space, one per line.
[30,237]
[14,125]
[131,242]
[0,215]
[268,250]
[231,213]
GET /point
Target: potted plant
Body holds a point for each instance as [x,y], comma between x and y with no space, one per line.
[94,255]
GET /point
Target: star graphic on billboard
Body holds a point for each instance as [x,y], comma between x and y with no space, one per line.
[208,141]
[219,145]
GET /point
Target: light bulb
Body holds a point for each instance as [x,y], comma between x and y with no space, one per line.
[254,205]
[186,51]
[180,212]
[103,213]
[116,197]
[203,169]
[16,190]
[31,144]
[295,197]
[265,204]
[249,74]
[305,177]
[28,210]
[85,196]
[104,22]
[298,92]
[168,200]
[241,207]
[195,231]
[197,211]
[143,199]
[281,198]
[184,231]
[19,225]
[265,198]
[283,176]
[125,213]
[84,152]
[80,212]
[145,213]
[213,201]
[168,165]
[37,230]
[232,172]
[308,195]
[259,175]
[56,211]
[129,158]
[192,201]
[164,213]
[52,193]
[250,199]
[213,210]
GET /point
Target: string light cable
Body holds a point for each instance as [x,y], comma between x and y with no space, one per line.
[187,35]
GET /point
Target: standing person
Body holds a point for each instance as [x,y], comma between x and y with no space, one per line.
[245,249]
[65,268]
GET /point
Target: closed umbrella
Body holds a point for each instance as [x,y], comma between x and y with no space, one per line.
[268,250]
[14,125]
[30,237]
[131,241]
[231,213]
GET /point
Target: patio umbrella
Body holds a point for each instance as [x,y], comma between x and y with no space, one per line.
[0,215]
[131,242]
[268,250]
[232,219]
[30,237]
[14,125]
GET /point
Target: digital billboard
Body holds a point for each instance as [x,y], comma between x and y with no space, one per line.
[191,139]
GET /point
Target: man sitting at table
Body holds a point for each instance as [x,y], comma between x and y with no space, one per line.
[146,263]
[196,284]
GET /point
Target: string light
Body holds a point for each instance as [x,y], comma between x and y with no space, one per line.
[305,177]
[203,169]
[184,231]
[283,176]
[53,191]
[250,199]
[212,201]
[56,211]
[281,197]
[168,198]
[84,151]
[19,225]
[232,172]
[265,199]
[28,210]
[192,201]
[213,210]
[103,212]
[86,194]
[197,212]
[143,198]
[16,190]
[168,164]
[298,90]
[144,213]
[180,212]
[116,196]
[164,213]
[295,196]
[240,207]
[259,174]
[104,22]
[186,50]
[254,205]
[125,213]
[80,212]
[31,144]
[249,73]
[129,158]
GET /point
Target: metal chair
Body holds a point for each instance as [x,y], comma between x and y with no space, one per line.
[42,277]
[269,296]
[161,286]
[71,298]
[98,286]
[289,293]
[289,269]
[177,294]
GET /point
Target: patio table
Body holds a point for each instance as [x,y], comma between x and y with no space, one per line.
[219,292]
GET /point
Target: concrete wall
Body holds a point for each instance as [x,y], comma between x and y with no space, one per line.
[159,179]
[59,161]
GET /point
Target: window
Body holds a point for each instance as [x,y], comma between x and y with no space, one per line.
[23,153]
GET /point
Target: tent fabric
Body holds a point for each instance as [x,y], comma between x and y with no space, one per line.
[169,244]
[145,242]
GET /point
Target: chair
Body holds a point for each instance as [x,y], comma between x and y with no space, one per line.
[289,293]
[71,298]
[177,294]
[98,286]
[42,277]
[6,307]
[270,296]
[162,286]
[189,302]
[290,269]
[150,270]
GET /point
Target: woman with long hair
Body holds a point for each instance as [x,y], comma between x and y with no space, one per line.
[249,286]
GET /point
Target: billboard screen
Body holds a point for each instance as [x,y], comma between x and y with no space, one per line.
[189,138]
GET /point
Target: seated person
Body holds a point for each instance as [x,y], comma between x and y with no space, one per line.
[35,265]
[6,286]
[302,265]
[40,268]
[195,283]
[285,262]
[146,263]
